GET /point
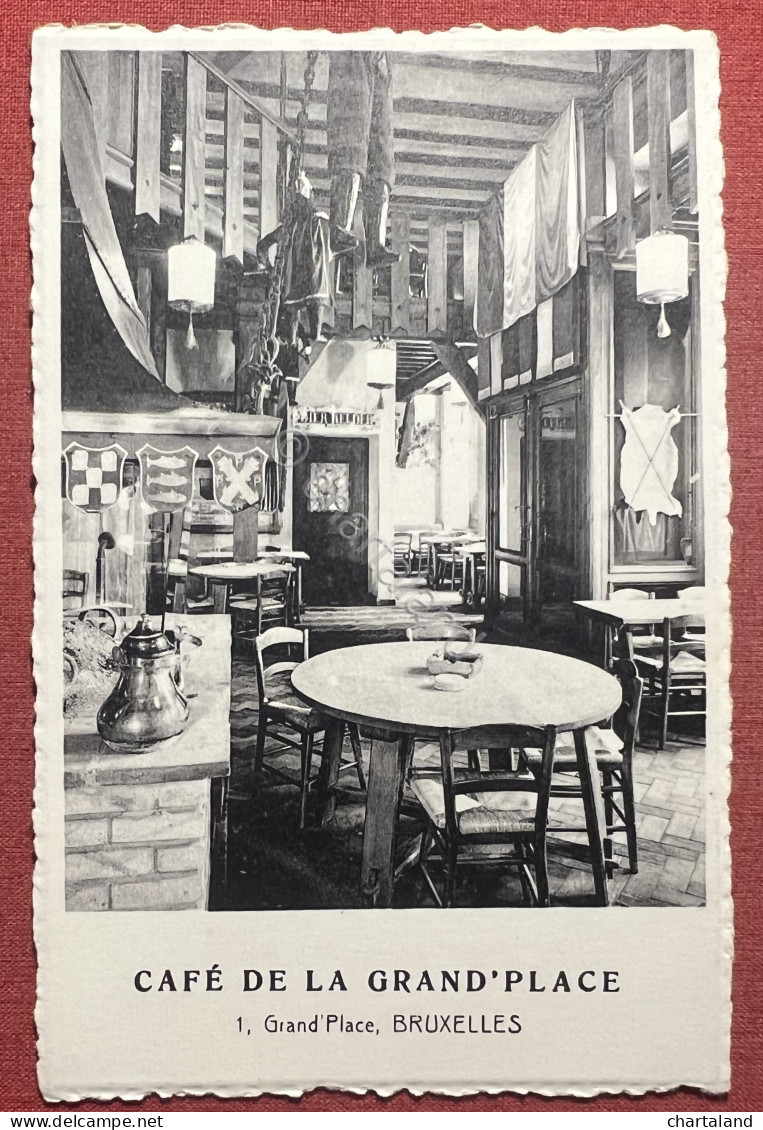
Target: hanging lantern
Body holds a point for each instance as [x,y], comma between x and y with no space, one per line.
[191,280]
[662,272]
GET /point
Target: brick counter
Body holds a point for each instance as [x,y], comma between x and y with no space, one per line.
[138,826]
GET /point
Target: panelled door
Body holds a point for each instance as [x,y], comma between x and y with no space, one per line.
[510,510]
[535,499]
[331,520]
[557,518]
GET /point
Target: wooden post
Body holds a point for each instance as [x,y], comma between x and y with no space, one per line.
[143,293]
[437,278]
[268,177]
[691,116]
[658,100]
[400,310]
[233,220]
[148,141]
[471,273]
[597,406]
[245,524]
[622,106]
[362,282]
[194,156]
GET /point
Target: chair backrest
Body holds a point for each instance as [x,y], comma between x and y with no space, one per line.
[441,630]
[675,632]
[278,637]
[75,586]
[631,594]
[403,541]
[461,781]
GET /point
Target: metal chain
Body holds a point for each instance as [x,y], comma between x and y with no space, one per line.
[267,341]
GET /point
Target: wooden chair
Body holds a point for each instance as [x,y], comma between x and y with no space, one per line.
[270,603]
[676,672]
[75,587]
[636,637]
[467,806]
[403,553]
[441,630]
[449,568]
[614,758]
[281,709]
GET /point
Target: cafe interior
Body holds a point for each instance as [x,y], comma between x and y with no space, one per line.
[383,555]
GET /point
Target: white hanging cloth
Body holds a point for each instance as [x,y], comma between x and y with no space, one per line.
[649,460]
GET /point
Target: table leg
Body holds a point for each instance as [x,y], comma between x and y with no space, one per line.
[386,775]
[220,596]
[593,805]
[329,772]
[298,609]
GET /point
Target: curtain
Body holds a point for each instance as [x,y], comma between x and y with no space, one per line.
[82,155]
[557,220]
[489,311]
[519,267]
[530,231]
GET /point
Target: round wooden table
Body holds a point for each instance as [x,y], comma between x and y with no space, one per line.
[386,689]
[222,575]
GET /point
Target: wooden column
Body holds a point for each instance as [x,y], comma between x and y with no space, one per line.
[622,106]
[471,273]
[194,156]
[437,278]
[691,115]
[245,524]
[143,293]
[658,100]
[400,309]
[233,219]
[148,141]
[362,282]
[268,177]
[596,391]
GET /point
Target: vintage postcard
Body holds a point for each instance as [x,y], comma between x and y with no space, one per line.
[382,633]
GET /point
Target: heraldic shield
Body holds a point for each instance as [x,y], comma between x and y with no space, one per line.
[167,477]
[94,475]
[238,478]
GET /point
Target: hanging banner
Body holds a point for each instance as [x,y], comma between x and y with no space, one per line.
[93,475]
[166,477]
[238,478]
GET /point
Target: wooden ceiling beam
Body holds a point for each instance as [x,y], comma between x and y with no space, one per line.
[263,93]
[471,140]
[524,72]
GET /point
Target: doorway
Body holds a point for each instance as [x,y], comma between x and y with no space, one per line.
[331,520]
[535,493]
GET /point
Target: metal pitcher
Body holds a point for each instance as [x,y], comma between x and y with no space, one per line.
[146,707]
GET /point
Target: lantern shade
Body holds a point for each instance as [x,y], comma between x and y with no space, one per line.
[662,268]
[191,276]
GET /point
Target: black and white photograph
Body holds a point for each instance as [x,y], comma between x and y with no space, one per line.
[390,523]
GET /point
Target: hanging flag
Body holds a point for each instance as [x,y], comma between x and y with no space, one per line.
[166,477]
[94,475]
[238,478]
[82,155]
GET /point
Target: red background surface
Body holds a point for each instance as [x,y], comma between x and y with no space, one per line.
[738,27]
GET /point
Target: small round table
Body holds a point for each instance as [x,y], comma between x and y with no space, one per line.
[387,689]
[224,573]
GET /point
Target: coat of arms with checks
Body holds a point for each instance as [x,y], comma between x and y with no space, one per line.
[94,475]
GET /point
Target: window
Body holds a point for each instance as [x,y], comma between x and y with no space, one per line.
[655,371]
